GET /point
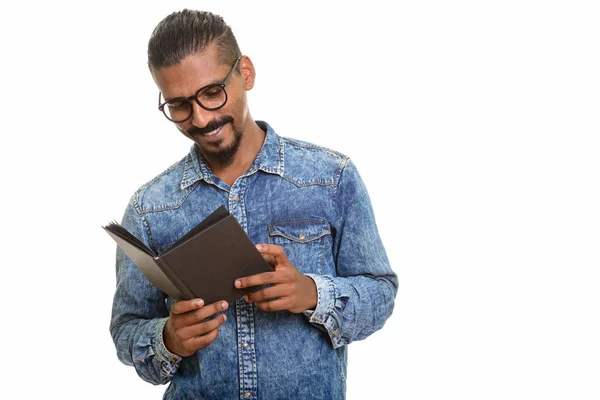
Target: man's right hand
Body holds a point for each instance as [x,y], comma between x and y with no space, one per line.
[186,331]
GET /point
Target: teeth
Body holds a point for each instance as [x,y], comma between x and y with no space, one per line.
[213,132]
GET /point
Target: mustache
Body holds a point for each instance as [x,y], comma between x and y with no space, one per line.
[211,126]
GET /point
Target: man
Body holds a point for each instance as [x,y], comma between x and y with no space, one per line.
[304,206]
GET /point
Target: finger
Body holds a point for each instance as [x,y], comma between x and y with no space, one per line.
[270,260]
[273,250]
[260,279]
[275,305]
[201,314]
[198,342]
[271,292]
[201,328]
[183,306]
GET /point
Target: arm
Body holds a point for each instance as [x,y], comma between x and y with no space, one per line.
[139,314]
[360,298]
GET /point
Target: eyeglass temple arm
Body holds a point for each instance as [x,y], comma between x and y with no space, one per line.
[232,69]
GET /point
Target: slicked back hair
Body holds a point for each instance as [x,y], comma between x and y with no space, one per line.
[188,32]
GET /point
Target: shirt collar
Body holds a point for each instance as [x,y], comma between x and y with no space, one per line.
[269,159]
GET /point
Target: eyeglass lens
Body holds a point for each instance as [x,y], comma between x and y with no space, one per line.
[211,98]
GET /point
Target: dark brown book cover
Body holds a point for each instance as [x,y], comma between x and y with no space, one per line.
[204,263]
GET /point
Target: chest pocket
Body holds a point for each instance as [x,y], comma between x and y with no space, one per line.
[304,241]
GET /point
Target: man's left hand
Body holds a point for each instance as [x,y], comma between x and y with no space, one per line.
[291,290]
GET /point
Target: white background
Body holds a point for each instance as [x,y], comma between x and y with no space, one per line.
[473,123]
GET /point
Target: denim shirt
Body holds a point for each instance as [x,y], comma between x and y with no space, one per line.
[311,201]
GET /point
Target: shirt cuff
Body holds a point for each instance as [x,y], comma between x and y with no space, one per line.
[169,362]
[323,316]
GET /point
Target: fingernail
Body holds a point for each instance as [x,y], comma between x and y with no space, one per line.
[223,305]
[238,283]
[200,303]
[224,317]
[246,298]
[259,246]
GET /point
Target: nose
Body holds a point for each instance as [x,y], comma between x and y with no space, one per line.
[200,116]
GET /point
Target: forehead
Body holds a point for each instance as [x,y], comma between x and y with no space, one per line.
[193,72]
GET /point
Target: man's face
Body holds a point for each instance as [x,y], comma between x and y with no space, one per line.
[218,133]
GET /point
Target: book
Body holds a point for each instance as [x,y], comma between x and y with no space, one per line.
[203,263]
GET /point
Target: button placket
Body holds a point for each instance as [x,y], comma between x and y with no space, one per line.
[244,311]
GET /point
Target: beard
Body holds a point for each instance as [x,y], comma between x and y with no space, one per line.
[221,156]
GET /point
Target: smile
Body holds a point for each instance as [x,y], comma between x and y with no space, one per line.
[214,135]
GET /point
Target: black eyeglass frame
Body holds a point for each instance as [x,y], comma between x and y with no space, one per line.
[161,106]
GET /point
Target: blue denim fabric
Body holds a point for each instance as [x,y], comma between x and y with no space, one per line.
[306,198]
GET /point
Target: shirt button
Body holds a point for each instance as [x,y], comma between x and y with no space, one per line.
[335,334]
[248,395]
[236,197]
[302,236]
[246,345]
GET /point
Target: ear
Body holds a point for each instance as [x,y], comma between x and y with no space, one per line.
[248,72]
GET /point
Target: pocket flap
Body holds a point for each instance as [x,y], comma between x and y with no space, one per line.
[301,231]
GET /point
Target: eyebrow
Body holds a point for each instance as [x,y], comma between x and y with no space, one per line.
[216,82]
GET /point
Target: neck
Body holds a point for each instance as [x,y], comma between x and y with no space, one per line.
[251,143]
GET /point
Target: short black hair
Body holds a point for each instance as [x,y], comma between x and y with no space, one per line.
[188,32]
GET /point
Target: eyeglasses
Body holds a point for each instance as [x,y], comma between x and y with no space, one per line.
[210,97]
